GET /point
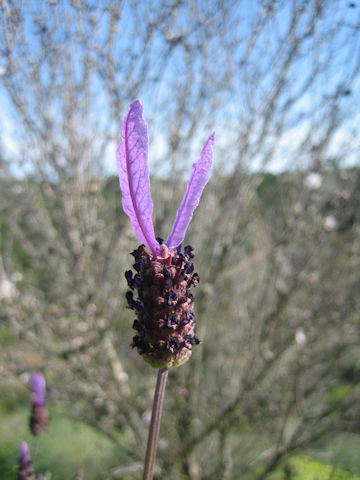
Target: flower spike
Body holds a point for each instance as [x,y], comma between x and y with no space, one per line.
[134,176]
[199,177]
[39,416]
[160,286]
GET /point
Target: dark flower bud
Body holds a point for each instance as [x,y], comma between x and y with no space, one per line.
[188,251]
[129,279]
[130,300]
[195,279]
[172,298]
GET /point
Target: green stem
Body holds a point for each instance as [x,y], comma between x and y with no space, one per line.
[155,424]
[34,449]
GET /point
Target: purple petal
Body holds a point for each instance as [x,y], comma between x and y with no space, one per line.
[38,388]
[131,158]
[199,177]
[24,455]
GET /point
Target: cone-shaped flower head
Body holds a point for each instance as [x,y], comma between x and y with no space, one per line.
[39,417]
[164,276]
[25,471]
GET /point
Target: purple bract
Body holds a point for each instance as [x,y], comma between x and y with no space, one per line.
[24,455]
[162,279]
[38,388]
[135,185]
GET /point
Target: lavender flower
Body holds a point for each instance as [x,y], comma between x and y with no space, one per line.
[163,278]
[25,471]
[39,417]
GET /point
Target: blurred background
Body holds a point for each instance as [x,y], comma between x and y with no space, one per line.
[273,390]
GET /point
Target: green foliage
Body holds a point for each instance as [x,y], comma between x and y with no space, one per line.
[338,394]
[67,448]
[6,335]
[267,184]
[305,468]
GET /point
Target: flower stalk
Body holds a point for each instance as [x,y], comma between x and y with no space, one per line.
[164,276]
[155,424]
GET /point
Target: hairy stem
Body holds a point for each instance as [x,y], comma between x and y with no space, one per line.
[155,424]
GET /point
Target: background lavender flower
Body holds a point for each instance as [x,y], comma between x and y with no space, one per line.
[25,471]
[39,416]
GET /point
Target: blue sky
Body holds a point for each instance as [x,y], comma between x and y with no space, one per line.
[245,97]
